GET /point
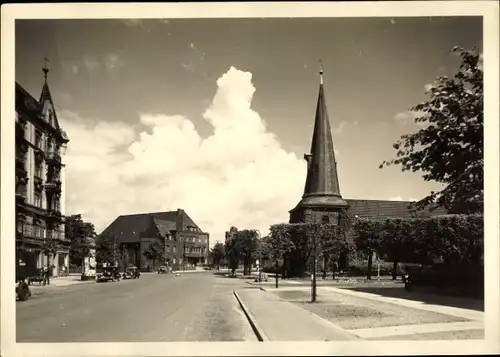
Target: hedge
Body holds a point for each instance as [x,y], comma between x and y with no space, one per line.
[457,239]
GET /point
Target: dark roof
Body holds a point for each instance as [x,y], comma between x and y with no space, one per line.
[322,183]
[164,227]
[128,228]
[378,209]
[25,102]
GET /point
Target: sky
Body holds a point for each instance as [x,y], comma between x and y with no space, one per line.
[214,115]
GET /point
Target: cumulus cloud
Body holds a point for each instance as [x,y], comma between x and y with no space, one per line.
[240,175]
[91,63]
[110,61]
[343,126]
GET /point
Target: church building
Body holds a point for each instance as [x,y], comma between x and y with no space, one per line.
[322,201]
[40,182]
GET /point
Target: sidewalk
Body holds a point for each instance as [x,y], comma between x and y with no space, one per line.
[275,319]
[61,281]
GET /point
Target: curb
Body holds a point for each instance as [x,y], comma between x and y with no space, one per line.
[255,286]
[261,335]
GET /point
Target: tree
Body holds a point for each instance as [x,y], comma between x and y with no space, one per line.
[217,254]
[233,249]
[77,231]
[368,240]
[280,243]
[297,258]
[248,243]
[333,244]
[397,241]
[106,251]
[49,249]
[449,150]
[155,251]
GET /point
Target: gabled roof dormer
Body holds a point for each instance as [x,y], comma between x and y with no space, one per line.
[48,113]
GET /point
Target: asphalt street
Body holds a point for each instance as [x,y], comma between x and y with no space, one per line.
[154,308]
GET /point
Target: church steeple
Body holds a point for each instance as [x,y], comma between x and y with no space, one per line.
[322,184]
[45,95]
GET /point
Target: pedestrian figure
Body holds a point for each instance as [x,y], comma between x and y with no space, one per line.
[47,275]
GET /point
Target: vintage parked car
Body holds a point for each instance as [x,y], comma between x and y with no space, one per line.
[163,270]
[131,273]
[39,277]
[107,273]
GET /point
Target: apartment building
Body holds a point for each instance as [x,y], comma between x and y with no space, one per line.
[40,182]
[184,243]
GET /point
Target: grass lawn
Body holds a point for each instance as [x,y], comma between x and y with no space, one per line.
[351,312]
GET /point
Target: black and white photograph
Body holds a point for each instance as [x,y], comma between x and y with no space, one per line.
[262,174]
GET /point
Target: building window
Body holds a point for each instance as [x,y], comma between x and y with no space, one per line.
[28,231]
[325,219]
[174,249]
[20,226]
[49,145]
[38,199]
[168,249]
[38,139]
[38,168]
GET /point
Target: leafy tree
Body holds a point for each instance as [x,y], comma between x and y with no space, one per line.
[49,249]
[280,242]
[154,252]
[248,244]
[123,257]
[397,241]
[217,253]
[106,250]
[333,244]
[77,231]
[449,149]
[233,249]
[297,258]
[368,239]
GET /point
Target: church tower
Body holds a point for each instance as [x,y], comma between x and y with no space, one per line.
[321,201]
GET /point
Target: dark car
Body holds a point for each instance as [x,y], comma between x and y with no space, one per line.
[163,270]
[107,273]
[131,273]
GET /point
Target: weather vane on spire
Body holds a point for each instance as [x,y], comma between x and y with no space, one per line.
[45,69]
[321,70]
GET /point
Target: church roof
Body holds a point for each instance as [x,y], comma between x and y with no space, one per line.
[322,183]
[379,209]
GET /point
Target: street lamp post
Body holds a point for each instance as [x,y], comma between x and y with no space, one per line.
[260,254]
[313,280]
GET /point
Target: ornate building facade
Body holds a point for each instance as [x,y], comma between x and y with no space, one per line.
[40,182]
[185,244]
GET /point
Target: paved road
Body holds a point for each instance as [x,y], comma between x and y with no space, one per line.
[155,308]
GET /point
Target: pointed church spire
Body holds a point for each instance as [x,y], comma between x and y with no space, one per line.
[322,183]
[45,95]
